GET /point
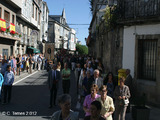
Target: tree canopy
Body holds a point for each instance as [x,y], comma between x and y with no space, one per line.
[82,49]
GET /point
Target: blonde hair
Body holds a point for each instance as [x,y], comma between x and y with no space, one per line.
[123,79]
[95,87]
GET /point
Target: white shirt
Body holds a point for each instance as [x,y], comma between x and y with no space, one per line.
[96,81]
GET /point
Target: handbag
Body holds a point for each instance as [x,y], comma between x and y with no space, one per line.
[126,101]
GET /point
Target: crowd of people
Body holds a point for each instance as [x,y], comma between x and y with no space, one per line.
[101,96]
[14,66]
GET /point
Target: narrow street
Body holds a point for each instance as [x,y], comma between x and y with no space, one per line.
[30,99]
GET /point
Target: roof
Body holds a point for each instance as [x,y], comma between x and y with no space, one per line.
[52,19]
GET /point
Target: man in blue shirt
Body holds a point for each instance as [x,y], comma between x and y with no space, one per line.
[7,84]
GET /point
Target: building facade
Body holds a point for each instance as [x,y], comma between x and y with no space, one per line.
[44,25]
[60,33]
[8,27]
[132,44]
[29,21]
[141,45]
[105,42]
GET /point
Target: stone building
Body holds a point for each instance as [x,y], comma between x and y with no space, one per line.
[44,26]
[30,18]
[133,44]
[103,42]
[141,45]
[60,33]
[8,10]
[29,21]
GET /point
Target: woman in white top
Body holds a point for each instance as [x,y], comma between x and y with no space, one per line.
[9,60]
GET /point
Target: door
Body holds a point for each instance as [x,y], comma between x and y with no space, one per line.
[5,52]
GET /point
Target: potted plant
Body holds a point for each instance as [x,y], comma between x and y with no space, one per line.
[7,30]
[140,111]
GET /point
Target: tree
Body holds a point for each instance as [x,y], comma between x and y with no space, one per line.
[91,5]
[82,49]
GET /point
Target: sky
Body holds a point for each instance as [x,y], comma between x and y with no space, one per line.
[77,12]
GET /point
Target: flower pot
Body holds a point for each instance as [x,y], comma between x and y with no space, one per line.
[140,113]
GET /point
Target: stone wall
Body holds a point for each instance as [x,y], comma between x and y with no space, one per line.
[109,45]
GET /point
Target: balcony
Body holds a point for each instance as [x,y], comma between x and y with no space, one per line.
[139,10]
[6,33]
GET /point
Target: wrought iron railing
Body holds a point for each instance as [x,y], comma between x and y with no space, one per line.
[139,9]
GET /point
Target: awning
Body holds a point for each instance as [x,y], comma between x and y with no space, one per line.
[35,50]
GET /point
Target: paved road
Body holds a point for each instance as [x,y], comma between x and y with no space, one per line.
[30,98]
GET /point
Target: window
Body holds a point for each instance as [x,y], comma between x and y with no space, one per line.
[46,16]
[39,19]
[33,10]
[28,32]
[36,14]
[6,16]
[13,19]
[147,54]
[5,52]
[0,12]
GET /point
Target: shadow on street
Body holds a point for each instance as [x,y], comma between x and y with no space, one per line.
[32,99]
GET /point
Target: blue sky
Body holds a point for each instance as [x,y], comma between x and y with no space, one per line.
[77,12]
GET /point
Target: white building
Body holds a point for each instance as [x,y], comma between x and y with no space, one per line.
[44,24]
[29,19]
[141,48]
[60,33]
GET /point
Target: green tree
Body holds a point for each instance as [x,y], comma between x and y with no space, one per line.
[111,16]
[82,49]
